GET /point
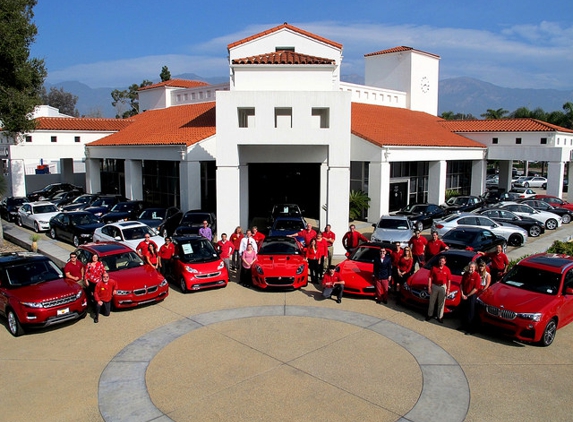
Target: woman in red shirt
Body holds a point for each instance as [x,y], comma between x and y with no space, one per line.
[404,268]
[322,245]
[93,273]
[313,257]
[236,239]
[165,256]
[151,256]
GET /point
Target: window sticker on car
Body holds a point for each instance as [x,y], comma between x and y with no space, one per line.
[514,283]
[187,248]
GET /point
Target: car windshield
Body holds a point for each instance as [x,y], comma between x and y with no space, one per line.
[294,225]
[457,263]
[285,210]
[194,219]
[16,201]
[103,202]
[121,207]
[81,219]
[454,200]
[42,209]
[364,254]
[83,199]
[153,214]
[533,279]
[121,261]
[279,248]
[139,232]
[197,250]
[393,224]
[460,236]
[415,209]
[32,272]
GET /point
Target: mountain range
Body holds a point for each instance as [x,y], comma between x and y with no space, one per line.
[460,95]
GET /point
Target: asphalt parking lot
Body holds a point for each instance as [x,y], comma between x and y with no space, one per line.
[242,354]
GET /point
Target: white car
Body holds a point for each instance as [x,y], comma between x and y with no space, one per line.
[532,182]
[129,233]
[550,221]
[36,215]
[393,228]
[515,236]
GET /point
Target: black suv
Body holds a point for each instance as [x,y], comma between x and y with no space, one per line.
[52,189]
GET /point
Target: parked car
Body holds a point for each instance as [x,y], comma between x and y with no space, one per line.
[137,283]
[554,201]
[534,227]
[533,299]
[197,265]
[532,182]
[50,190]
[393,228]
[123,211]
[80,202]
[36,215]
[492,180]
[283,226]
[462,203]
[156,217]
[35,293]
[356,270]
[9,207]
[280,264]
[103,204]
[515,236]
[415,291]
[422,215]
[192,221]
[61,199]
[129,233]
[473,239]
[285,210]
[523,193]
[549,220]
[540,205]
[76,227]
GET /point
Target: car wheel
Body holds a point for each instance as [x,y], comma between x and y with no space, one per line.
[544,186]
[420,226]
[515,240]
[551,224]
[526,185]
[566,218]
[19,221]
[549,333]
[53,233]
[534,231]
[36,227]
[183,285]
[13,324]
[76,241]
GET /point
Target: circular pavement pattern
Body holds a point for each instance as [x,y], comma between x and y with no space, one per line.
[123,393]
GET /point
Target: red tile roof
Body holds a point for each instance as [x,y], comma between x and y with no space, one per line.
[178,125]
[390,126]
[284,26]
[283,57]
[176,83]
[81,123]
[398,50]
[502,125]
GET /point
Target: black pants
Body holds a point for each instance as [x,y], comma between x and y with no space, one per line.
[104,309]
[468,313]
[246,279]
[314,271]
[337,290]
[166,265]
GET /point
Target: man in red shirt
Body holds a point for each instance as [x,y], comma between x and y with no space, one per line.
[330,237]
[498,264]
[418,245]
[103,293]
[322,246]
[226,249]
[470,288]
[435,246]
[439,284]
[258,236]
[143,246]
[352,239]
[332,284]
[165,255]
[307,234]
[74,269]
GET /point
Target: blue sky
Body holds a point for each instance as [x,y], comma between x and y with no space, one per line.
[114,43]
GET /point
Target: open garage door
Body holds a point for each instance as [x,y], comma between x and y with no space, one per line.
[271,184]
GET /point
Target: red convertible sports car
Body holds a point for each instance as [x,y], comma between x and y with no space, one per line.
[415,290]
[533,299]
[137,283]
[356,270]
[280,263]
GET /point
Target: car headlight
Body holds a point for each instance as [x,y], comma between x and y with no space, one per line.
[79,294]
[33,304]
[452,295]
[86,235]
[406,287]
[259,269]
[221,265]
[300,269]
[374,238]
[122,292]
[43,221]
[479,301]
[536,316]
[190,269]
[163,283]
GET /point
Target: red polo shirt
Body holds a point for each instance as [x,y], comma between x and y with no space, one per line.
[440,276]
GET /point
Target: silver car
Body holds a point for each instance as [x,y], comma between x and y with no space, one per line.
[515,236]
[393,228]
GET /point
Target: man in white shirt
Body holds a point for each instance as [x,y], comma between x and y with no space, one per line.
[246,240]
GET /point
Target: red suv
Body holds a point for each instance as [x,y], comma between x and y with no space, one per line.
[34,292]
[533,300]
[137,283]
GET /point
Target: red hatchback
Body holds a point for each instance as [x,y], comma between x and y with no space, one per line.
[415,290]
[137,283]
[34,293]
[197,265]
[280,264]
[533,300]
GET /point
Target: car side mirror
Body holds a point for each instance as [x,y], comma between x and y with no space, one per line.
[118,238]
[569,291]
[175,256]
[374,225]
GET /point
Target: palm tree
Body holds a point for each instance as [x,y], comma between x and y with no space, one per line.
[358,202]
[492,114]
[448,115]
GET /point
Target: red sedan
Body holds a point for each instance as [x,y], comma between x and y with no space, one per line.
[415,290]
[137,283]
[280,264]
[554,201]
[533,300]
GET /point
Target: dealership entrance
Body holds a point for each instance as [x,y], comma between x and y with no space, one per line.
[277,183]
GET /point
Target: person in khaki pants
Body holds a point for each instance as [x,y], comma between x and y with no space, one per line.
[439,284]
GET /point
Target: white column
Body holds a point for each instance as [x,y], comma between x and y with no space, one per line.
[478,177]
[555,171]
[322,221]
[337,215]
[378,190]
[190,185]
[437,182]
[18,177]
[93,176]
[505,174]
[244,196]
[228,199]
[133,181]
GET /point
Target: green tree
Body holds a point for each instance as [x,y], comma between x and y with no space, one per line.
[165,74]
[448,115]
[568,115]
[126,102]
[492,114]
[358,202]
[21,77]
[62,100]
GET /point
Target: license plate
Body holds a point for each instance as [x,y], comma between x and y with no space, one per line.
[63,311]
